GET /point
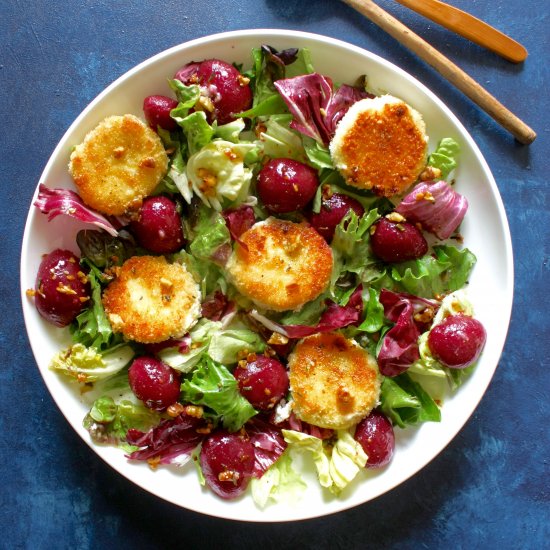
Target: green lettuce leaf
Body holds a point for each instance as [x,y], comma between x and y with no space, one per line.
[373,311]
[196,129]
[317,154]
[200,335]
[405,402]
[92,327]
[187,96]
[104,250]
[213,385]
[280,141]
[444,157]
[218,174]
[226,346]
[449,270]
[280,483]
[210,233]
[351,246]
[308,315]
[302,65]
[271,105]
[337,463]
[109,421]
[88,364]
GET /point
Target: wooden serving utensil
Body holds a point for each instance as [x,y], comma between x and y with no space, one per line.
[469,27]
[443,65]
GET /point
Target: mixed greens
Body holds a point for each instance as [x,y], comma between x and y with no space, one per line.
[386,308]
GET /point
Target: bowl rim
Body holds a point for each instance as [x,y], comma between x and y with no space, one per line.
[282,34]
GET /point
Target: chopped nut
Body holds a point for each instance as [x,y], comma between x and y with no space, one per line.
[205,430]
[242,353]
[395,217]
[251,357]
[30,292]
[424,316]
[231,155]
[148,162]
[458,238]
[175,410]
[209,181]
[153,462]
[326,191]
[323,112]
[243,80]
[260,129]
[64,289]
[196,411]
[229,475]
[205,103]
[424,196]
[277,339]
[430,173]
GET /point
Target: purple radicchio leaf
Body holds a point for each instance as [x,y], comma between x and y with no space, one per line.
[239,220]
[339,104]
[268,442]
[314,106]
[307,98]
[436,205]
[172,441]
[216,306]
[334,317]
[400,345]
[57,202]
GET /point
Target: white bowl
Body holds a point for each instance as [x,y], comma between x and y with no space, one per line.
[485,231]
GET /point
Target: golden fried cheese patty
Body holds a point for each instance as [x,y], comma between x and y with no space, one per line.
[380,144]
[120,162]
[281,265]
[151,300]
[334,382]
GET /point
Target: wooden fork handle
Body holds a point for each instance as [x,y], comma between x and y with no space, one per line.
[454,74]
[469,27]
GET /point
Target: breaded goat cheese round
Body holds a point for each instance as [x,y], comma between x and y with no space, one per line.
[281,265]
[380,144]
[120,162]
[151,300]
[334,381]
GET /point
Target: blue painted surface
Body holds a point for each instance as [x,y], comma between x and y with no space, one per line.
[489,488]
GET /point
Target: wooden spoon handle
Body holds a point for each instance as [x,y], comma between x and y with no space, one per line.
[454,74]
[469,27]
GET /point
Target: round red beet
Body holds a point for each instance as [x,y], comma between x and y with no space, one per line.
[285,185]
[263,382]
[375,434]
[158,227]
[156,109]
[62,289]
[397,241]
[333,210]
[457,341]
[154,382]
[227,461]
[223,87]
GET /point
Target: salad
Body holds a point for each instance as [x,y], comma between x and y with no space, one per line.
[276,270]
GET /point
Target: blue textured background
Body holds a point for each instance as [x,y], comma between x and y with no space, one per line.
[489,488]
